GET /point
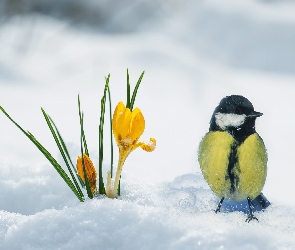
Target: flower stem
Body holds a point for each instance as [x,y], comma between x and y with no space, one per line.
[117,178]
[122,158]
[112,191]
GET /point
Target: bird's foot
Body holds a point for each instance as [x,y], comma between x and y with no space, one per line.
[219,205]
[217,210]
[251,217]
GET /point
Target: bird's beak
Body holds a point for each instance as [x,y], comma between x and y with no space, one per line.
[255,114]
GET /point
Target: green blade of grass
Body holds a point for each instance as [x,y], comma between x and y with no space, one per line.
[100,139]
[48,156]
[119,187]
[100,148]
[66,151]
[61,150]
[135,91]
[62,143]
[128,91]
[89,193]
[83,141]
[82,132]
[111,128]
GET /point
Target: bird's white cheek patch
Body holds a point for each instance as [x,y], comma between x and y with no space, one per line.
[229,120]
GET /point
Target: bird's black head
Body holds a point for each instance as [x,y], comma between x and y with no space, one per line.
[235,114]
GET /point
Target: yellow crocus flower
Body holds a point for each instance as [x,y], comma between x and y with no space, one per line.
[90,172]
[128,126]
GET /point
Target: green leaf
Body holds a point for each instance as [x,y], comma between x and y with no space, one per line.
[62,143]
[100,139]
[58,143]
[82,131]
[128,91]
[89,193]
[119,187]
[66,151]
[135,91]
[111,130]
[83,141]
[49,157]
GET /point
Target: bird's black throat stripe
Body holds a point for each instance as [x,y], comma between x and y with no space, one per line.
[231,175]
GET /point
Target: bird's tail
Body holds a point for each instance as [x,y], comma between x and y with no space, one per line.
[260,202]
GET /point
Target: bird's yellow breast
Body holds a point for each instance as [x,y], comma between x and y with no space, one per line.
[249,169]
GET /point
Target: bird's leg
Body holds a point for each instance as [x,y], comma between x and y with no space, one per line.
[219,205]
[250,215]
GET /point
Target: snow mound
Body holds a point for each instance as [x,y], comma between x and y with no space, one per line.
[175,215]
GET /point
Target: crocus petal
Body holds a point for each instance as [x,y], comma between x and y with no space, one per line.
[137,125]
[121,122]
[118,110]
[90,171]
[150,146]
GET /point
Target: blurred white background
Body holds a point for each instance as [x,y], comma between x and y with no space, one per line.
[193,52]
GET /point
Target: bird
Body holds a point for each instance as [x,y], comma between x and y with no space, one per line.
[232,156]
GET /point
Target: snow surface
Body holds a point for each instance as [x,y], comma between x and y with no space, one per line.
[194,54]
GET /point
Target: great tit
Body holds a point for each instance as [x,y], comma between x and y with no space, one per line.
[232,156]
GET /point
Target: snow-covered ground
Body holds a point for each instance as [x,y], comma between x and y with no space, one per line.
[193,53]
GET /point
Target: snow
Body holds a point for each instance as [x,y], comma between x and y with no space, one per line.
[193,54]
